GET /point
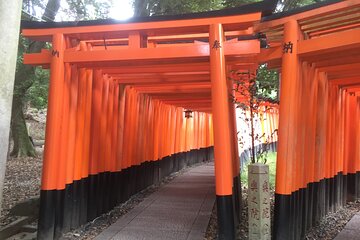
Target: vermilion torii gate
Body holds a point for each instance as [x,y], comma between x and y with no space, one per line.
[118,92]
[318,161]
[116,101]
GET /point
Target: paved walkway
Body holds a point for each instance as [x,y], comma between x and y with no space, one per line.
[351,230]
[179,210]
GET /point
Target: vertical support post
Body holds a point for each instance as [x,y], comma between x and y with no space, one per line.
[10,12]
[235,156]
[351,123]
[79,149]
[94,172]
[222,136]
[65,135]
[287,133]
[51,152]
[137,40]
[120,127]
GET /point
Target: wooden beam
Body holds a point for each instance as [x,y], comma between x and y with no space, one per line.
[160,68]
[333,43]
[178,96]
[186,26]
[162,79]
[318,12]
[345,81]
[194,51]
[270,54]
[341,68]
[38,59]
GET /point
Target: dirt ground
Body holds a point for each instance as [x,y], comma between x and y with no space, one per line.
[23,175]
[22,182]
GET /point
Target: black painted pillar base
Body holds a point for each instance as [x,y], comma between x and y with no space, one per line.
[281,229]
[237,198]
[225,216]
[46,224]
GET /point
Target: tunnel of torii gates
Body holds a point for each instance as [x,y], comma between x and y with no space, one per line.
[118,92]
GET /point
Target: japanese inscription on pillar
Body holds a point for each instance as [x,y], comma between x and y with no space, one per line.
[55,53]
[288,47]
[259,202]
[216,45]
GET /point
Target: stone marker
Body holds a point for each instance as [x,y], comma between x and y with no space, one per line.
[259,202]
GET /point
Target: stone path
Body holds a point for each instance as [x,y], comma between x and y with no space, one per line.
[179,210]
[351,230]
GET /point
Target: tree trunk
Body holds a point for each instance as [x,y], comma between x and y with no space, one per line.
[24,78]
[141,8]
[22,143]
[253,156]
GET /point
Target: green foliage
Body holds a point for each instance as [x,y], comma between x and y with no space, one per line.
[170,7]
[37,91]
[87,9]
[272,171]
[23,45]
[285,5]
[267,84]
[236,3]
[37,94]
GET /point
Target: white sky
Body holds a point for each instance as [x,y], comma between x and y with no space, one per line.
[121,10]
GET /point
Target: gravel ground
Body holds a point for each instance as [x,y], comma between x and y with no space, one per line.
[327,229]
[22,182]
[23,175]
[242,231]
[334,222]
[211,231]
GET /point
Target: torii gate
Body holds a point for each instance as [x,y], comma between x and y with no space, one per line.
[318,162]
[100,70]
[138,78]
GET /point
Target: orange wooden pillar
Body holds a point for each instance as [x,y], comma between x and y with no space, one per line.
[287,134]
[94,157]
[102,154]
[338,149]
[235,155]
[320,147]
[50,176]
[341,103]
[222,135]
[357,151]
[350,153]
[78,154]
[65,135]
[84,199]
[311,84]
[120,163]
